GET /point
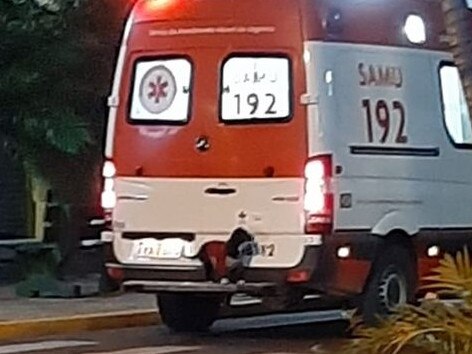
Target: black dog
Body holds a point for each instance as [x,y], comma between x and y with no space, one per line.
[238,246]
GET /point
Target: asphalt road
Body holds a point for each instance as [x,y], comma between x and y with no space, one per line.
[227,337]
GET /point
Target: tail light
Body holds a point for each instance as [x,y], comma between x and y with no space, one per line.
[108,199]
[318,202]
[116,274]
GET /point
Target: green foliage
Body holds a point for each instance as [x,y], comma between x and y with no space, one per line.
[39,266]
[33,15]
[434,326]
[38,258]
[61,128]
[38,65]
[56,63]
[454,277]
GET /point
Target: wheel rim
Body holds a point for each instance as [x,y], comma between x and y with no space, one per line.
[393,290]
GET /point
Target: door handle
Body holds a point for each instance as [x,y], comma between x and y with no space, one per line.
[140,197]
[220,190]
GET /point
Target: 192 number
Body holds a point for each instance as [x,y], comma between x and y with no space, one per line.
[383,120]
[253,101]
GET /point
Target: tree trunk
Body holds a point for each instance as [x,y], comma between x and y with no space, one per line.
[458,21]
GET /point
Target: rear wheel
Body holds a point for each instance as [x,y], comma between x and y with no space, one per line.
[188,313]
[392,284]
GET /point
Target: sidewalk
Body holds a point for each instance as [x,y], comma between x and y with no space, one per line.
[13,308]
[29,318]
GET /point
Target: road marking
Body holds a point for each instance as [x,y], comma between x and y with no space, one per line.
[155,350]
[318,348]
[48,345]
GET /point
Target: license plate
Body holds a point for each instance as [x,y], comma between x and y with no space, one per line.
[156,249]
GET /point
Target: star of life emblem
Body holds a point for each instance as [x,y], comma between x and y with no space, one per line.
[158,89]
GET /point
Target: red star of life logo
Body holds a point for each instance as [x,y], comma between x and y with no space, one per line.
[158,89]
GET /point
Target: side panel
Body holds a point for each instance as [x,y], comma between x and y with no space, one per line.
[456,168]
[378,113]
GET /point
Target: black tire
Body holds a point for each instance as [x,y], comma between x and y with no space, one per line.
[188,313]
[392,283]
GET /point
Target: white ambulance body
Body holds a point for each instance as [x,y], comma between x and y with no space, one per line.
[254,149]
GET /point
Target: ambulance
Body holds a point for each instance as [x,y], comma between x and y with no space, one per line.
[286,152]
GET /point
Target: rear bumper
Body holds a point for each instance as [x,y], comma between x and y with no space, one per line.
[326,272]
[257,281]
[263,289]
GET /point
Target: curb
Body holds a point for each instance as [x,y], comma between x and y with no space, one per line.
[14,330]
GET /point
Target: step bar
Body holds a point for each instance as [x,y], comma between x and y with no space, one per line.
[199,287]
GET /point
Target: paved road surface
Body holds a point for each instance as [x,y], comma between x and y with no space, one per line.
[227,337]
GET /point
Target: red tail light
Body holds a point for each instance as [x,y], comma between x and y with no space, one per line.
[116,274]
[298,276]
[318,200]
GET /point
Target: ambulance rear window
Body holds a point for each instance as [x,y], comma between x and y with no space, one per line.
[161,91]
[456,111]
[255,89]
